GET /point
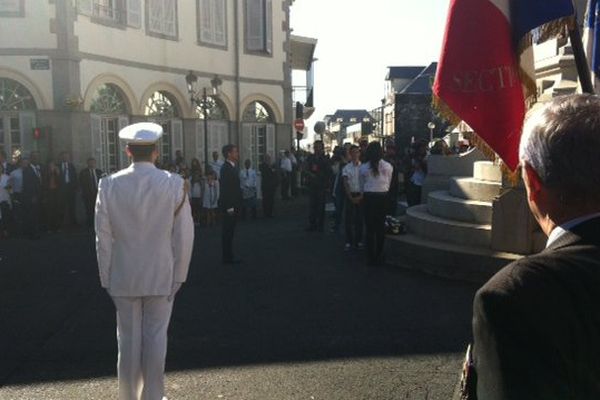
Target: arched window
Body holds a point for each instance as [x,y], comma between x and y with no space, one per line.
[17,118]
[109,99]
[258,112]
[162,108]
[215,110]
[14,96]
[161,105]
[258,132]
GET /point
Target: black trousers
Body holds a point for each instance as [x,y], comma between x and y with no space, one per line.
[229,223]
[375,223]
[52,207]
[413,194]
[316,216]
[294,182]
[68,204]
[268,201]
[6,218]
[31,217]
[285,185]
[354,221]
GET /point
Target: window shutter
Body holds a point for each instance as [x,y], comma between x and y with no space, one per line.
[27,123]
[268,18]
[123,122]
[156,15]
[205,20]
[84,7]
[271,141]
[219,22]
[177,137]
[200,141]
[97,141]
[254,25]
[169,18]
[134,13]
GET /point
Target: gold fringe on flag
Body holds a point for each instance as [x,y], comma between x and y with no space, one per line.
[446,112]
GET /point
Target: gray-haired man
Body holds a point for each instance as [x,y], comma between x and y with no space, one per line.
[536,324]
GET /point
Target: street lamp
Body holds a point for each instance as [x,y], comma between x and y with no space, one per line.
[431,127]
[202,99]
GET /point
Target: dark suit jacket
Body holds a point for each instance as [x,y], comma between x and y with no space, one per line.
[536,324]
[89,190]
[72,185]
[32,186]
[230,195]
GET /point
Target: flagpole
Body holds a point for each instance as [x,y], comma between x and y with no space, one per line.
[583,69]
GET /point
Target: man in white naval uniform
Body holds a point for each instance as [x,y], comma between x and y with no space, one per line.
[144,240]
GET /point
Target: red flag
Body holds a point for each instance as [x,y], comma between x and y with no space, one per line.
[478,75]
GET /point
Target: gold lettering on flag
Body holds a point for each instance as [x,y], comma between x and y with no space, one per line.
[486,80]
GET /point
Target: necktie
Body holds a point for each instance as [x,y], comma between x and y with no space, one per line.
[94,178]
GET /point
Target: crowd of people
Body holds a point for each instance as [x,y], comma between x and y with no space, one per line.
[36,197]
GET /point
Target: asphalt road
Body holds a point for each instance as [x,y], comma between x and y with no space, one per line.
[299,319]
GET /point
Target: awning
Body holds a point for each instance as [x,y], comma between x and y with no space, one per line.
[302,52]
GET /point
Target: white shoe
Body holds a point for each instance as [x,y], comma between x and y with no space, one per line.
[347,247]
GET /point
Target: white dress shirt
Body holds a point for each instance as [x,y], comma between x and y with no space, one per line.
[286,164]
[216,166]
[352,172]
[559,231]
[16,180]
[4,182]
[248,183]
[379,183]
[211,195]
[143,247]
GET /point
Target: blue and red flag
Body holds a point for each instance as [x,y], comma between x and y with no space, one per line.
[591,39]
[485,72]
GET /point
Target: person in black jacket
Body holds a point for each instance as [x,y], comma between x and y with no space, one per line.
[269,181]
[88,180]
[319,173]
[536,324]
[230,199]
[68,189]
[31,199]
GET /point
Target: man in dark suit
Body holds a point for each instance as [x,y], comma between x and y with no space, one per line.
[230,199]
[31,199]
[536,323]
[269,181]
[319,174]
[68,188]
[88,181]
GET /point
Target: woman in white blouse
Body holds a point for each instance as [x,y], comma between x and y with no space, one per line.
[375,178]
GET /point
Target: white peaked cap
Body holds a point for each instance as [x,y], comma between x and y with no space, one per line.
[141,133]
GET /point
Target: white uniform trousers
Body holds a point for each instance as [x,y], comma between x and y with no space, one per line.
[142,324]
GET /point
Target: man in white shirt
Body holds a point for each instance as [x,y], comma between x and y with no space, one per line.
[286,174]
[354,208]
[248,183]
[216,164]
[144,240]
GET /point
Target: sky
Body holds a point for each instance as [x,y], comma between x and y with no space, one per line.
[359,39]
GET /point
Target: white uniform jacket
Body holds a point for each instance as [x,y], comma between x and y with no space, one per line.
[143,244]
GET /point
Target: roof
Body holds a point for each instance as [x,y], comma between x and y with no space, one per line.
[403,72]
[422,83]
[347,115]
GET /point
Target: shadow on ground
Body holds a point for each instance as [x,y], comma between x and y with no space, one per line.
[297,297]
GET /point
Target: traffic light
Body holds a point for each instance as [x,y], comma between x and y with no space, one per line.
[299,110]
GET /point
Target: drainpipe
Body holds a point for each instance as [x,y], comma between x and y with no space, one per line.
[238,112]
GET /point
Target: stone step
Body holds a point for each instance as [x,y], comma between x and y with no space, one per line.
[422,223]
[465,263]
[474,189]
[442,204]
[487,171]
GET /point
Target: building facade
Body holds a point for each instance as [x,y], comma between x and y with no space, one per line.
[80,70]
